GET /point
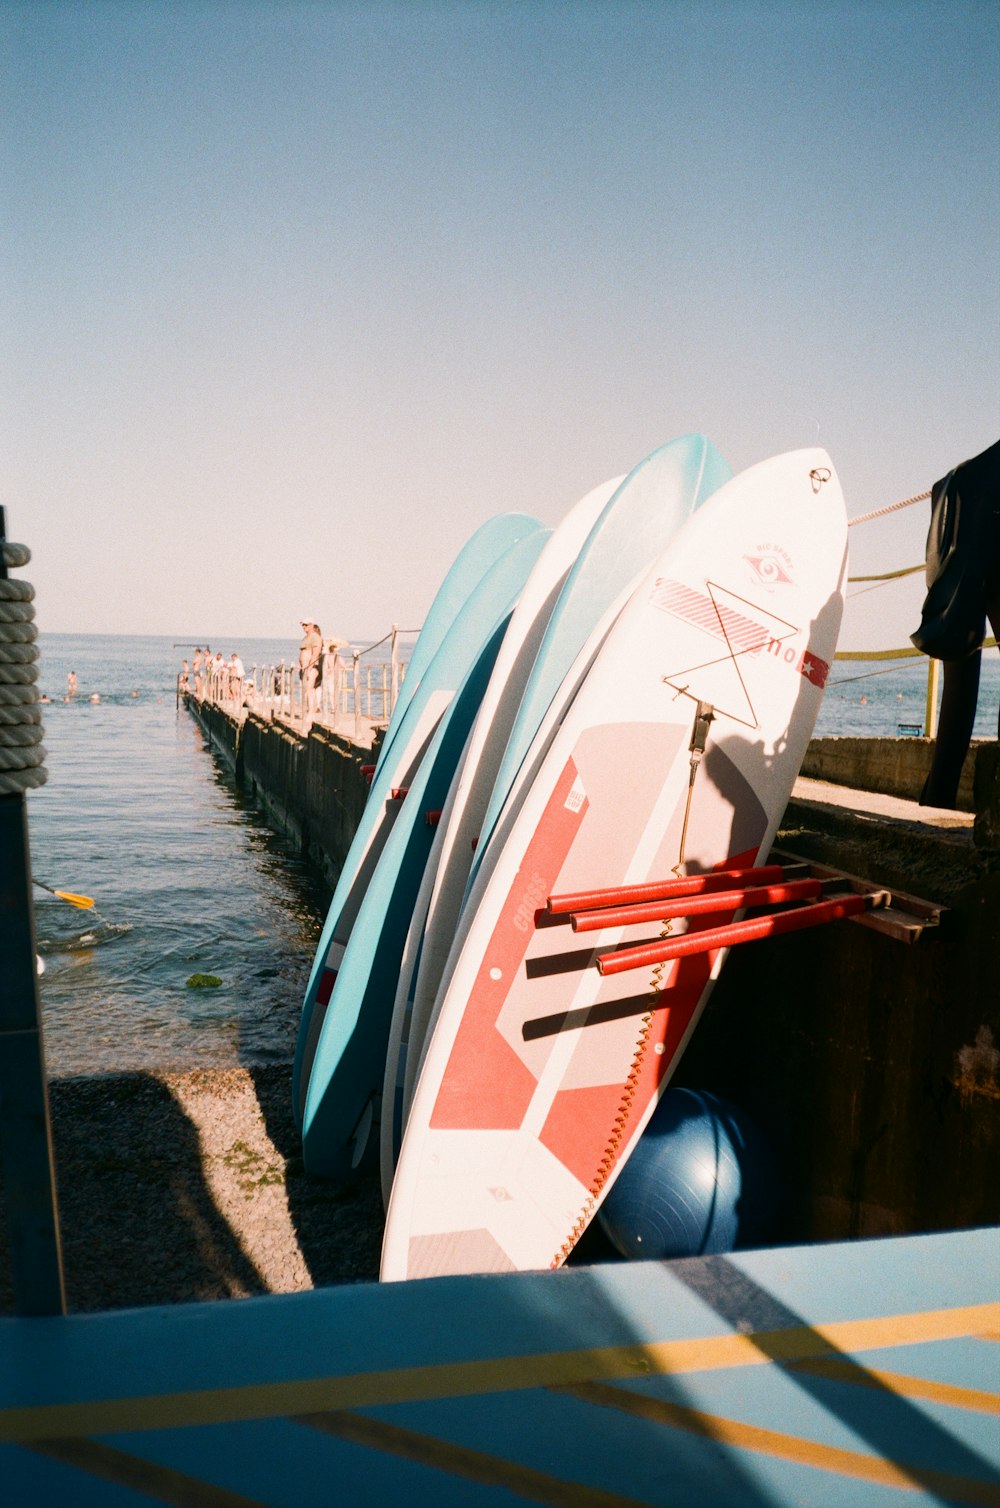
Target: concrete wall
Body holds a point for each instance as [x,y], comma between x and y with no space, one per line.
[893,766]
[873,1065]
[310,786]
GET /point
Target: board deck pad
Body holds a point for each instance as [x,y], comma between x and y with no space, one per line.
[541,1073]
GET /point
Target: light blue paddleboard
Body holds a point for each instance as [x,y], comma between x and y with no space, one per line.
[636,524]
[468,569]
[654,501]
[458,651]
[342,1113]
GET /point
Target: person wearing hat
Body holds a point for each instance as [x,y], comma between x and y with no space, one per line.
[310,664]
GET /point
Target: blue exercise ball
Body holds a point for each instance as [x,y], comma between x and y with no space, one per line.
[700,1179]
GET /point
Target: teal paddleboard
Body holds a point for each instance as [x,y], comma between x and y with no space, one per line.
[342,1111]
[458,651]
[471,563]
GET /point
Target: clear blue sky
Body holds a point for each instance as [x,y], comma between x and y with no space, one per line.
[296,295]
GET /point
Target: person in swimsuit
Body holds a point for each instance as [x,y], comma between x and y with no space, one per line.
[310,658]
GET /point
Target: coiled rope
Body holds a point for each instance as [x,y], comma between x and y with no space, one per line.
[22,757]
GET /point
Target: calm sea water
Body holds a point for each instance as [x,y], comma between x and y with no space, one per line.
[874,698]
[187,878]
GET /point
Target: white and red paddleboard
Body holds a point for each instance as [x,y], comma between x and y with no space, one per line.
[461,818]
[541,1072]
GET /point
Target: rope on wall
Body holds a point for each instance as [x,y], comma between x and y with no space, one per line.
[22,757]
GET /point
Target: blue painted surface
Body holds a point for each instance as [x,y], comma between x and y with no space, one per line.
[635,526]
[411,1367]
[456,650]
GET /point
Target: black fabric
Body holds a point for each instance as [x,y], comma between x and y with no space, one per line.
[963,558]
[963,577]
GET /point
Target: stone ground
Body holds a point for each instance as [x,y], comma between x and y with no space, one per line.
[177,1187]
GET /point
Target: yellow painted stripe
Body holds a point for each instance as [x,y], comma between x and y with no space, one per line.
[460,1461]
[161,1483]
[900,1383]
[487,1375]
[774,1443]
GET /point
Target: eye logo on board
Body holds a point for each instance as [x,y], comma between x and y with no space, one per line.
[770,567]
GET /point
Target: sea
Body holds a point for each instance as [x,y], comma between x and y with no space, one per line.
[186,878]
[188,881]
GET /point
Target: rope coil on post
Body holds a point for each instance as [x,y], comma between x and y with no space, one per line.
[22,757]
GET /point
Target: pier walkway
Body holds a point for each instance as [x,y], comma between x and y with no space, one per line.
[351,700]
[356,727]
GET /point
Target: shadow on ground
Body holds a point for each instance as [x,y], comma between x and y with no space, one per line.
[339,1228]
[138,1221]
[138,1224]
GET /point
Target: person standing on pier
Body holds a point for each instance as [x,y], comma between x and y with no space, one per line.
[963,581]
[310,660]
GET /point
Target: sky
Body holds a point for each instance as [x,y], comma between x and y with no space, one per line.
[297,294]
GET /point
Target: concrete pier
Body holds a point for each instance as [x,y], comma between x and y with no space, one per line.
[308,780]
[873,1065]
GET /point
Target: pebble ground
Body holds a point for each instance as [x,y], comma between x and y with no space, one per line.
[179,1187]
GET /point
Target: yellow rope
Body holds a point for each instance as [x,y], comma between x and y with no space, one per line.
[893,654]
[890,575]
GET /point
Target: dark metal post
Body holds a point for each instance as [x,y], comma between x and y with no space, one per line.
[29,1188]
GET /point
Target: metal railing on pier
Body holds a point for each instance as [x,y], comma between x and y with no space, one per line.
[353,695]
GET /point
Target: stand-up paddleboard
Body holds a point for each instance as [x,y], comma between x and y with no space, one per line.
[437,684]
[342,1109]
[542,1072]
[461,817]
[468,568]
[639,521]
